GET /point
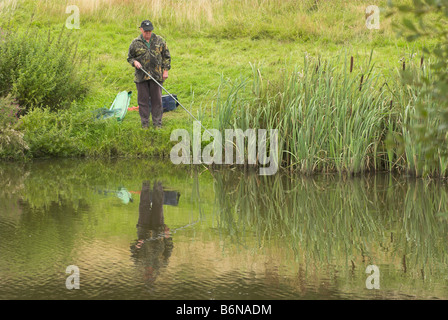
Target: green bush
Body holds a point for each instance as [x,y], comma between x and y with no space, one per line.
[70,133]
[59,134]
[427,20]
[74,133]
[41,70]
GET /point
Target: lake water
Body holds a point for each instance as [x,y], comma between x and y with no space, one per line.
[141,229]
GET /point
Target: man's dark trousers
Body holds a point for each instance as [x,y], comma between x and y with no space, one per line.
[150,90]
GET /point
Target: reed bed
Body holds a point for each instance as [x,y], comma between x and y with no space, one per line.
[332,116]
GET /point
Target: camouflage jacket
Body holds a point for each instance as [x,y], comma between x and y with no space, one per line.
[153,60]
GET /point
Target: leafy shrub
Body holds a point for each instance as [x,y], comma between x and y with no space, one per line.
[60,133]
[75,133]
[41,70]
[425,20]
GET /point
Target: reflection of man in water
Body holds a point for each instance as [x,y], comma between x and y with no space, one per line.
[154,245]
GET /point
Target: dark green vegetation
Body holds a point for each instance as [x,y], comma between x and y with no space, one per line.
[432,111]
[285,65]
[42,70]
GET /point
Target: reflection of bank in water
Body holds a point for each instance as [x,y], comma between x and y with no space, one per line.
[154,245]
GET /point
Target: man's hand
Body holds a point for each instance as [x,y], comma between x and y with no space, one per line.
[165,75]
[137,64]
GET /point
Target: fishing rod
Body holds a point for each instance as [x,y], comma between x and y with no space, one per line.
[161,235]
[176,100]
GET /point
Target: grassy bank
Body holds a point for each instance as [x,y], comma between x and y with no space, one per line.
[218,42]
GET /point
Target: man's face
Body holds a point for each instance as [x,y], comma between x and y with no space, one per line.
[146,34]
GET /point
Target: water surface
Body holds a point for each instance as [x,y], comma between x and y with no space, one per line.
[142,229]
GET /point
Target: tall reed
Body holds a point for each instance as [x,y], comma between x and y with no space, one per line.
[333,117]
[327,119]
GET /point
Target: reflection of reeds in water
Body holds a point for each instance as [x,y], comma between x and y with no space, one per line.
[370,220]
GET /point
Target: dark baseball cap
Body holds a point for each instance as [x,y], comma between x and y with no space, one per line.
[147,25]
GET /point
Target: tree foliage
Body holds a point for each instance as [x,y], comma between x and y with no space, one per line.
[428,19]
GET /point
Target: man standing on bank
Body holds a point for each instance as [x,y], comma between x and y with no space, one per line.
[150,52]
